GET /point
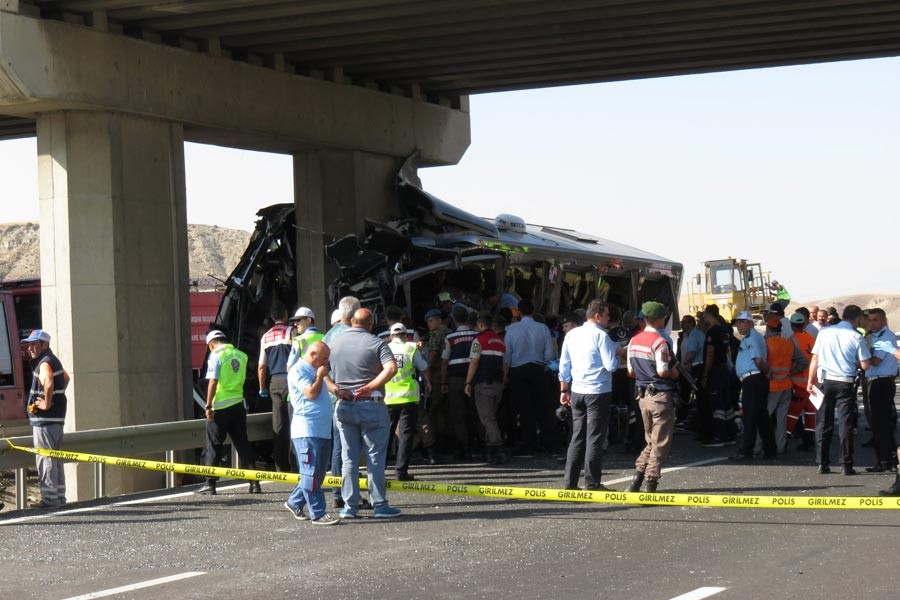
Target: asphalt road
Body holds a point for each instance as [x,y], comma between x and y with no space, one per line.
[236,545]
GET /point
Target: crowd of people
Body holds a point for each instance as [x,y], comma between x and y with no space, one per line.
[505,381]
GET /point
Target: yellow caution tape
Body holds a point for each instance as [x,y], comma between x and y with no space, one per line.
[499,491]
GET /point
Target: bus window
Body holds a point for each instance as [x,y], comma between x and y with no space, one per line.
[28,313]
[7,377]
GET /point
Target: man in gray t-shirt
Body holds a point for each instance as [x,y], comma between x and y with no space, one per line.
[360,366]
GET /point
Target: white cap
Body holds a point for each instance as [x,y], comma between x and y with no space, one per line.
[215,334]
[744,316]
[398,328]
[336,316]
[303,312]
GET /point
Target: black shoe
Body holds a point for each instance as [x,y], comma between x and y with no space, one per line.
[651,485]
[636,481]
[740,457]
[597,487]
[894,490]
[364,504]
[255,488]
[338,502]
[878,467]
[405,477]
[208,490]
[824,470]
[848,470]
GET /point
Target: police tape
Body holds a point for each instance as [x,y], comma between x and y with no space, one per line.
[499,491]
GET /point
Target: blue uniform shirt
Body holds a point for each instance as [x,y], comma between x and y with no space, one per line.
[312,416]
[528,342]
[888,364]
[588,359]
[839,349]
[753,346]
[693,342]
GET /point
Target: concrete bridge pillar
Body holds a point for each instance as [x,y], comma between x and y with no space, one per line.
[114,273]
[334,192]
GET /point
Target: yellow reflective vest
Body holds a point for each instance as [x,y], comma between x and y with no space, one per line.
[231,376]
[403,388]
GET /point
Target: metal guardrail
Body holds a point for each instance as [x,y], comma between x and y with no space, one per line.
[131,441]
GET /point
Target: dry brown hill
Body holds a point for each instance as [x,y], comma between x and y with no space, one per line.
[212,250]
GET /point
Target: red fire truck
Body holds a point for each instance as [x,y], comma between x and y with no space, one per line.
[20,312]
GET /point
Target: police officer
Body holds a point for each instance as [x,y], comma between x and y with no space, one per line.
[225,412]
[752,371]
[272,370]
[402,395]
[484,383]
[305,333]
[650,363]
[880,379]
[454,368]
[838,351]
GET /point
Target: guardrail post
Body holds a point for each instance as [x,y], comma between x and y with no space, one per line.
[99,480]
[21,488]
[170,476]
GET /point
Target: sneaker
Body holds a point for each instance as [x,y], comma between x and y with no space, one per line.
[386,512]
[346,514]
[297,512]
[326,519]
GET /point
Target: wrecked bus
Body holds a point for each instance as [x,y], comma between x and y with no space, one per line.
[431,247]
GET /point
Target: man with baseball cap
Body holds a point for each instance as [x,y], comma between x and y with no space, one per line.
[225,413]
[305,333]
[752,370]
[402,395]
[47,412]
[272,372]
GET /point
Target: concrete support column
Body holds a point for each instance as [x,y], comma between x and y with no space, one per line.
[334,192]
[114,273]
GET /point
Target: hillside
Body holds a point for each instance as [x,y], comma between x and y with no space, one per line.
[212,250]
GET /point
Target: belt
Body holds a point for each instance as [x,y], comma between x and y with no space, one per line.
[882,377]
[748,374]
[841,379]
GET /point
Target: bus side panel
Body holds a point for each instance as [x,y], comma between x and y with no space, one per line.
[12,386]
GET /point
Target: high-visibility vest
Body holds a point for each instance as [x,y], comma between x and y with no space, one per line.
[403,388]
[805,342]
[301,342]
[231,376]
[780,354]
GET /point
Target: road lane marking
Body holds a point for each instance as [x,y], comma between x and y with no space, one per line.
[699,463]
[137,586]
[75,511]
[700,593]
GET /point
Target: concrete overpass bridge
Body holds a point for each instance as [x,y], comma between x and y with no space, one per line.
[113,88]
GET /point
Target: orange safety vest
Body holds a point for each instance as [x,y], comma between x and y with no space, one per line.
[781,351]
[805,342]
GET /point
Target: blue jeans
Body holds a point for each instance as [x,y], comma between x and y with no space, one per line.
[363,423]
[337,465]
[313,455]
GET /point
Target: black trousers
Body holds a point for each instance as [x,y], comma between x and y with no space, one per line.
[881,406]
[528,393]
[590,420]
[755,399]
[838,396]
[281,422]
[231,421]
[404,418]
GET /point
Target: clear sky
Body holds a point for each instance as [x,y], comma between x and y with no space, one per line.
[796,167]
